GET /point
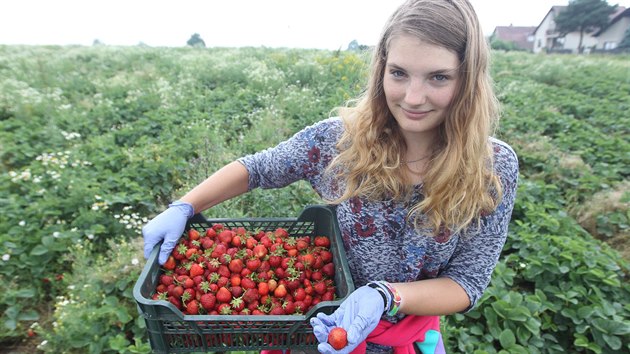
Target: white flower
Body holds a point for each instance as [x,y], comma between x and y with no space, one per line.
[135,261]
[71,287]
[22,223]
[90,236]
[6,257]
[56,234]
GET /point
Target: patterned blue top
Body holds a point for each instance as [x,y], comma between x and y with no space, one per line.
[380,244]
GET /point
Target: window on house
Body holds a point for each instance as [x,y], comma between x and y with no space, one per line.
[610,45]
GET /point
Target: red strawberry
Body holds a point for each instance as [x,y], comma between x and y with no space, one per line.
[193,235]
[280,291]
[236,291]
[329,269]
[320,288]
[337,338]
[236,265]
[170,263]
[302,244]
[177,291]
[225,236]
[326,256]
[196,269]
[250,243]
[212,233]
[236,241]
[289,307]
[237,304]
[263,289]
[175,301]
[166,279]
[274,261]
[235,280]
[280,232]
[308,259]
[277,310]
[322,241]
[192,252]
[224,309]
[219,250]
[208,301]
[253,264]
[192,308]
[299,294]
[224,295]
[328,295]
[251,295]
[260,250]
[207,243]
[248,283]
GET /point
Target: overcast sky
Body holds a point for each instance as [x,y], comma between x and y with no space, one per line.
[325,24]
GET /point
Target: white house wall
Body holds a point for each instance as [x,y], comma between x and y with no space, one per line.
[572,41]
[540,37]
[614,33]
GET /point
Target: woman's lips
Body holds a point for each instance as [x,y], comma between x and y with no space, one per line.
[415,114]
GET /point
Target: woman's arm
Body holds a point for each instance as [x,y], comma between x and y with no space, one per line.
[432,297]
[228,182]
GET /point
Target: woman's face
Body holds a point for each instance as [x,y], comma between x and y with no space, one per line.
[419,83]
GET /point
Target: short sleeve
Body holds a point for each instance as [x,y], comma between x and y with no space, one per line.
[304,156]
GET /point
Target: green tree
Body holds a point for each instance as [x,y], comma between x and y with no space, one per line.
[625,42]
[584,16]
[196,41]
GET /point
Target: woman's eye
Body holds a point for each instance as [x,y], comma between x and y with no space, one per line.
[397,73]
[440,77]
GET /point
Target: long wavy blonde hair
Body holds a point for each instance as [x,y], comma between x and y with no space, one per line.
[459,184]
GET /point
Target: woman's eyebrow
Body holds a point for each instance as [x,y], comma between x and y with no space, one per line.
[449,71]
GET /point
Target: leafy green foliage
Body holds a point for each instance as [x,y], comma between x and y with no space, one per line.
[98,314]
[96,141]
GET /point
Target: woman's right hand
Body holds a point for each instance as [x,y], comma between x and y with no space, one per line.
[168,226]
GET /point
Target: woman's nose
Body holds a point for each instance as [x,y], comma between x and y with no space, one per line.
[416,93]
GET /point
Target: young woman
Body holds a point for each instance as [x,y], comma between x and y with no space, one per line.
[423,193]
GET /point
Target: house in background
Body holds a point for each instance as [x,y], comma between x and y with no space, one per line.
[547,39]
[610,36]
[520,36]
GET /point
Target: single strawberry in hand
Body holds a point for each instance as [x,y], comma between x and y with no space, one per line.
[337,338]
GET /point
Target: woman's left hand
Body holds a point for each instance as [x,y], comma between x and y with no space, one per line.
[358,315]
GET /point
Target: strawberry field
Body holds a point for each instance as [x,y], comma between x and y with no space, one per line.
[95,141]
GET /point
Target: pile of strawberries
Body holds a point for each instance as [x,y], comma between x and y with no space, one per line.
[234,271]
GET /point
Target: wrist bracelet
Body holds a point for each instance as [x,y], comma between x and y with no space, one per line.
[381,292]
[396,299]
[391,296]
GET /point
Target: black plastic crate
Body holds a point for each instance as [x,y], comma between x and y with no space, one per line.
[171,331]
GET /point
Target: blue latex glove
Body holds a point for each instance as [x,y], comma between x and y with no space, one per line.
[167,226]
[358,315]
